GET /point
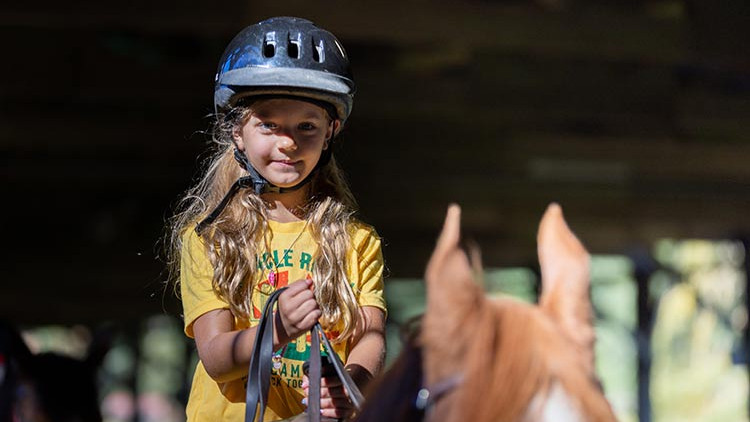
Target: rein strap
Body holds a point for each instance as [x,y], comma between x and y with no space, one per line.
[259,371]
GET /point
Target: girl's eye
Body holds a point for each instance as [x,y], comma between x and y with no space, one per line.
[306,126]
[267,125]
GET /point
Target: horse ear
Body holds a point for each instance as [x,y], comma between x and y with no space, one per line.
[452,296]
[449,269]
[446,245]
[564,266]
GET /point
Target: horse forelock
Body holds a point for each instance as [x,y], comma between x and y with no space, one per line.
[516,360]
[500,364]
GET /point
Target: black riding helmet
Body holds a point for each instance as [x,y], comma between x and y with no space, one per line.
[287,57]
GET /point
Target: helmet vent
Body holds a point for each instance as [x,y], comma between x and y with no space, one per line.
[269,45]
[318,51]
[292,47]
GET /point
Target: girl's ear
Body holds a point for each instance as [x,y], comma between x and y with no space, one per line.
[333,129]
[237,138]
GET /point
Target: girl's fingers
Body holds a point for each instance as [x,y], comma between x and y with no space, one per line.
[341,404]
[335,408]
[296,294]
[293,304]
[304,319]
[298,287]
[299,292]
[331,382]
[299,315]
[327,391]
[334,413]
[335,395]
[333,392]
[302,296]
[310,320]
[333,400]
[302,310]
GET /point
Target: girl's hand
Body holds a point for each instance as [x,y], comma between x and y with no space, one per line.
[334,403]
[297,311]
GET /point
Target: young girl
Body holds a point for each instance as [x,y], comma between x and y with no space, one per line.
[273,210]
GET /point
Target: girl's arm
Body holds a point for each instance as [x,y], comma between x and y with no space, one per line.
[225,351]
[368,350]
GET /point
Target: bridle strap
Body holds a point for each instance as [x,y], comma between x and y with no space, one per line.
[428,396]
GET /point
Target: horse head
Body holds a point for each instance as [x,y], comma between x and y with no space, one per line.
[502,359]
[482,359]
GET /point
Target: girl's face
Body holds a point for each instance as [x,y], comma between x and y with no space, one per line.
[284,138]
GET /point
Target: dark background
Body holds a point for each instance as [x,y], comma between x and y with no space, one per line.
[634,115]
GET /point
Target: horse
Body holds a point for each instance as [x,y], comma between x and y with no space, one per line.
[42,387]
[475,358]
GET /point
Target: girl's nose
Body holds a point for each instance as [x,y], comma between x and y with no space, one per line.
[286,142]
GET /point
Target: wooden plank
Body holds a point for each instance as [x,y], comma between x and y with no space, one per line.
[450,26]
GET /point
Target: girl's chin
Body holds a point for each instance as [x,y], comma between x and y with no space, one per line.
[284,179]
[286,185]
[285,182]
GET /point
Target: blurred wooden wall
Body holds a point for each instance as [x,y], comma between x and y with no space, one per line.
[633,115]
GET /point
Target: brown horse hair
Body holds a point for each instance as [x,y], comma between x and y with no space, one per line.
[517,354]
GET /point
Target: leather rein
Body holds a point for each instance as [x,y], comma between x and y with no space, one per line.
[259,371]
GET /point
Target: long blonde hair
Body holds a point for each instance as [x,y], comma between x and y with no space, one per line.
[234,239]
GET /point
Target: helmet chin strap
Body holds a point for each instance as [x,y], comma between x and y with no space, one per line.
[258,183]
[261,185]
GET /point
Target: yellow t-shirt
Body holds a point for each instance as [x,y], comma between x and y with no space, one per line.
[290,260]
